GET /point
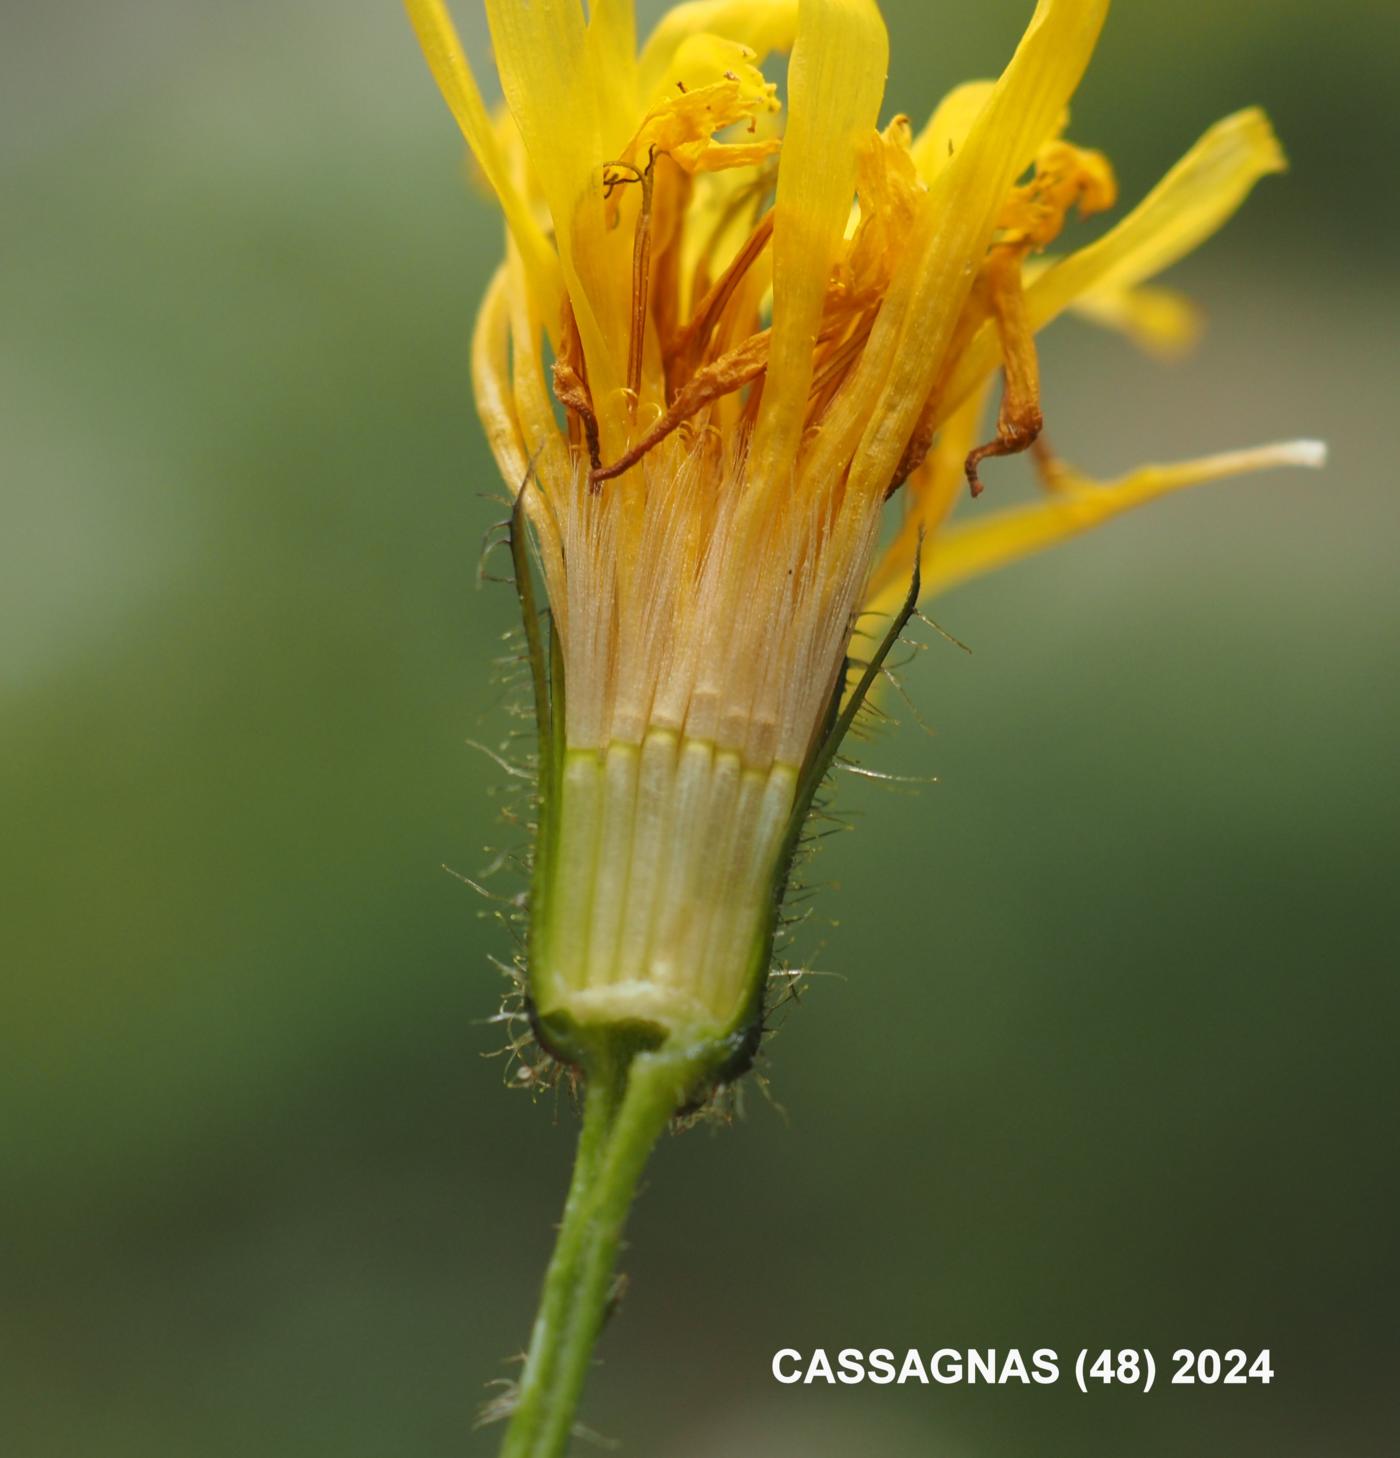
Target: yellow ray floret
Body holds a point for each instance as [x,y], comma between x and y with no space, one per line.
[1075,505]
[1197,197]
[453,74]
[1159,320]
[1105,280]
[761,25]
[836,79]
[911,338]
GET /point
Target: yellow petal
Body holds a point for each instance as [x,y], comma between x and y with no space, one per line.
[453,74]
[970,549]
[762,25]
[876,413]
[535,406]
[511,414]
[949,125]
[1201,193]
[835,83]
[1195,198]
[491,381]
[1161,321]
[931,492]
[565,115]
[612,43]
[610,52]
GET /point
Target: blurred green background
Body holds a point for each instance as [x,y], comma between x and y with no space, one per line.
[1111,1058]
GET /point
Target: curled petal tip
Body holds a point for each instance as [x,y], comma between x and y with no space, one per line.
[1303,453]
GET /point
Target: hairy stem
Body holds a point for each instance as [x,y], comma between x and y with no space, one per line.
[627,1106]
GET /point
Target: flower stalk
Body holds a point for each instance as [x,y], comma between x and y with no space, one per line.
[629,1100]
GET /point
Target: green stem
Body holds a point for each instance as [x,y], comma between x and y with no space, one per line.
[627,1107]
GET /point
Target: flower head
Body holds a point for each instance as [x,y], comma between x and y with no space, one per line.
[724,337]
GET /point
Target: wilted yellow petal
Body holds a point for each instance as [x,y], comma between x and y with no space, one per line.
[1195,198]
[911,337]
[712,84]
[713,381]
[1078,503]
[835,83]
[453,74]
[762,25]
